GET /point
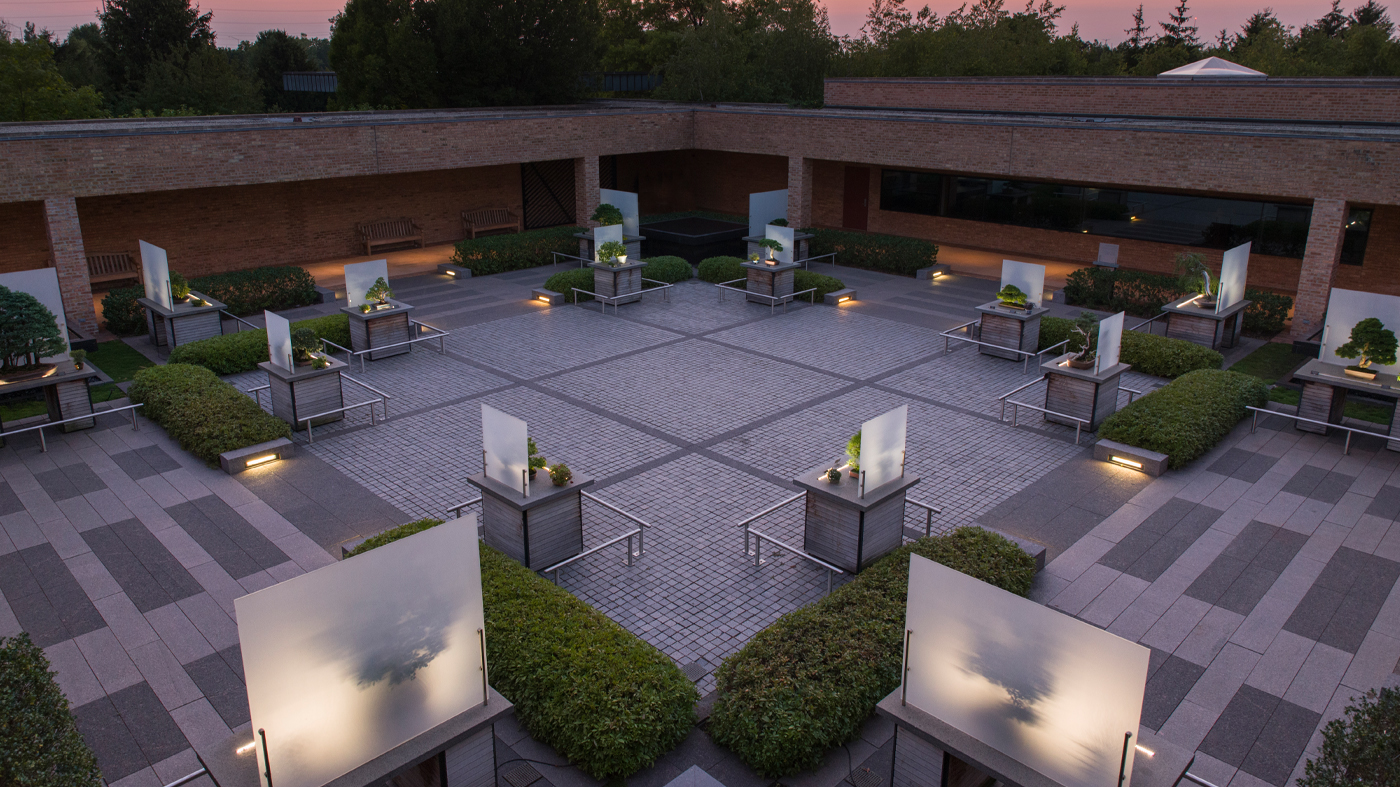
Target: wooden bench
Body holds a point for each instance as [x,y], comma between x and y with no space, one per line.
[485,220]
[389,233]
[112,267]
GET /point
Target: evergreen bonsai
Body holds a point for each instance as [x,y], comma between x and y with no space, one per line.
[537,461]
[304,343]
[1011,295]
[179,287]
[28,331]
[610,252]
[1194,276]
[771,245]
[853,453]
[1370,341]
[79,358]
[1081,341]
[1361,748]
[379,291]
[607,215]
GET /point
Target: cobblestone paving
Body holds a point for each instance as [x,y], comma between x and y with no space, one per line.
[836,341]
[533,345]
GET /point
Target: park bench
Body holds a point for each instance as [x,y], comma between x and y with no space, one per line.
[112,267]
[390,232]
[485,220]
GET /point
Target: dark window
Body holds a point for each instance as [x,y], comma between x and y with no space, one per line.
[1354,241]
[911,192]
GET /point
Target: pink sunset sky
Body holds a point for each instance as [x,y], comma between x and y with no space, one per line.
[235,20]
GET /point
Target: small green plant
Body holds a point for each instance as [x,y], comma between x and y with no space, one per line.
[833,475]
[79,358]
[304,343]
[537,461]
[610,252]
[364,308]
[1194,276]
[754,257]
[199,301]
[179,287]
[1370,341]
[771,245]
[607,215]
[853,453]
[1362,748]
[379,291]
[1011,295]
[320,362]
[560,474]
[779,222]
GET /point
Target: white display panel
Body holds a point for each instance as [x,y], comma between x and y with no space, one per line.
[1027,276]
[360,276]
[505,440]
[1110,342]
[1108,253]
[1050,691]
[1346,308]
[786,237]
[1234,268]
[626,202]
[764,206]
[353,659]
[155,274]
[279,340]
[882,447]
[601,235]
[43,285]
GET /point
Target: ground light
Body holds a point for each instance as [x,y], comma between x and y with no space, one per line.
[1144,750]
[261,460]
[245,748]
[543,298]
[1126,462]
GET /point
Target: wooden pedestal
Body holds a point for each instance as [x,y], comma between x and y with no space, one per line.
[1015,329]
[1325,387]
[183,324]
[1204,326]
[769,280]
[305,391]
[69,399]
[1081,393]
[846,530]
[1320,402]
[624,281]
[370,330]
[539,530]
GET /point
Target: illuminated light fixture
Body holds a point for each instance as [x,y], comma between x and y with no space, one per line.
[450,272]
[1132,218]
[247,747]
[1126,463]
[843,299]
[544,298]
[938,274]
[261,460]
[1193,300]
[1144,750]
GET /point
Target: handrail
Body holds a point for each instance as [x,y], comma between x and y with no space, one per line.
[308,419]
[1016,406]
[773,300]
[43,444]
[1026,355]
[371,389]
[1008,394]
[1349,429]
[1133,393]
[766,512]
[760,537]
[929,511]
[187,778]
[351,354]
[624,537]
[558,254]
[457,509]
[615,509]
[806,260]
[1191,777]
[1149,321]
[614,299]
[237,319]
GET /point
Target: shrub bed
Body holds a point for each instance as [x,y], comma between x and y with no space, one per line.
[1145,352]
[39,742]
[802,280]
[564,282]
[806,683]
[206,415]
[502,253]
[1143,294]
[1362,747]
[243,351]
[887,253]
[1188,416]
[272,288]
[667,269]
[609,702]
[716,270]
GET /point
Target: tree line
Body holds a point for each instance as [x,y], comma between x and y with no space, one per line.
[159,57]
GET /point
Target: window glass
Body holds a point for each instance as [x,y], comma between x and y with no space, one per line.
[1354,241]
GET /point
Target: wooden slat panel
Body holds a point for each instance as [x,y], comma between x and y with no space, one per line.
[504,528]
[193,327]
[556,531]
[317,395]
[472,763]
[831,532]
[1003,332]
[884,529]
[1320,402]
[389,329]
[917,763]
[1200,330]
[69,400]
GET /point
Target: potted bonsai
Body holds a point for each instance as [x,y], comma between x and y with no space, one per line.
[179,288]
[304,344]
[79,357]
[853,455]
[779,222]
[607,215]
[1012,297]
[833,475]
[560,474]
[536,458]
[1194,276]
[612,254]
[1081,341]
[1372,342]
[773,247]
[28,332]
[380,294]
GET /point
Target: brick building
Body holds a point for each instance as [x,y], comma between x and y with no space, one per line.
[1050,167]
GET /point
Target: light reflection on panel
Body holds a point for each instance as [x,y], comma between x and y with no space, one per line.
[279,340]
[1234,269]
[353,659]
[601,235]
[626,202]
[785,236]
[155,274]
[1047,690]
[882,447]
[1346,308]
[1110,342]
[360,276]
[506,442]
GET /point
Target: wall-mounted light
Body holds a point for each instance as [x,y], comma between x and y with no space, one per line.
[1144,750]
[245,748]
[261,460]
[1125,462]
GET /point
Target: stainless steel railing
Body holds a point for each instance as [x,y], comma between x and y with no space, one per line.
[950,336]
[639,533]
[43,444]
[438,334]
[1350,430]
[616,299]
[773,300]
[760,537]
[1006,399]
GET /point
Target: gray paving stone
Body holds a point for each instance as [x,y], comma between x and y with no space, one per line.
[163,673]
[108,660]
[181,636]
[75,678]
[1280,664]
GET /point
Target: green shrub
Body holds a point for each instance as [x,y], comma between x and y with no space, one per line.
[564,282]
[824,284]
[206,415]
[243,351]
[888,253]
[1143,294]
[1188,416]
[394,534]
[274,288]
[721,269]
[667,269]
[1362,748]
[502,253]
[1265,316]
[808,682]
[609,702]
[123,315]
[39,743]
[1145,352]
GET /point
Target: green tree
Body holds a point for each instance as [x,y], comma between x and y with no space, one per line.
[31,87]
[28,330]
[1371,342]
[1362,748]
[140,33]
[81,59]
[272,53]
[1180,28]
[382,55]
[39,742]
[205,81]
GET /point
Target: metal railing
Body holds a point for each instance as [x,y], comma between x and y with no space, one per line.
[638,532]
[438,334]
[1349,429]
[1005,399]
[773,300]
[43,444]
[760,537]
[617,299]
[929,511]
[383,401]
[1148,322]
[1194,779]
[806,260]
[950,336]
[238,322]
[457,509]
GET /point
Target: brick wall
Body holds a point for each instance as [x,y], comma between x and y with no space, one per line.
[714,180]
[24,243]
[1366,100]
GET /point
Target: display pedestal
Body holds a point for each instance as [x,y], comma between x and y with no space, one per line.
[1081,393]
[800,253]
[623,282]
[374,329]
[1204,326]
[847,530]
[770,280]
[632,242]
[1015,329]
[539,530]
[183,324]
[305,391]
[1325,387]
[65,394]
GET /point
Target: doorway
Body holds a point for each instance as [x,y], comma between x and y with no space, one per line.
[856,202]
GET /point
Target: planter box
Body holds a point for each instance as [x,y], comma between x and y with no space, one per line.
[1325,387]
[1081,392]
[1203,326]
[539,530]
[379,328]
[236,461]
[849,531]
[624,281]
[65,394]
[1014,329]
[183,324]
[305,391]
[771,280]
[1152,463]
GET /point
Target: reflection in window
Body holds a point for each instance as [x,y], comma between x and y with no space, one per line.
[1354,240]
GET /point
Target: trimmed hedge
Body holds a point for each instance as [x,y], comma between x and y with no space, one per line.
[1186,418]
[808,682]
[243,351]
[206,415]
[801,280]
[1362,747]
[39,742]
[1143,294]
[717,270]
[273,288]
[667,269]
[887,253]
[502,253]
[564,282]
[609,702]
[1145,352]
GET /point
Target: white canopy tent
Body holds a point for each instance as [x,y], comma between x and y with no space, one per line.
[1212,68]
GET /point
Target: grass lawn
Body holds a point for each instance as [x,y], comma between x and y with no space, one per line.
[1270,363]
[1364,411]
[119,360]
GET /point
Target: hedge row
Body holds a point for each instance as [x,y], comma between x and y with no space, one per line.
[565,281]
[888,253]
[243,292]
[1145,352]
[39,741]
[206,415]
[609,702]
[502,253]
[716,270]
[1143,294]
[808,682]
[1186,418]
[802,280]
[668,269]
[243,351]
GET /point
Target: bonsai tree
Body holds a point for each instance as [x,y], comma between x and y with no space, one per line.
[607,215]
[1194,276]
[379,291]
[610,251]
[179,288]
[1011,295]
[853,453]
[1361,748]
[79,357]
[560,474]
[536,458]
[779,222]
[1082,334]
[28,331]
[754,258]
[304,343]
[771,245]
[1370,341]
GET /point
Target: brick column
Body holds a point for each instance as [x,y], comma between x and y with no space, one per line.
[585,190]
[66,249]
[799,185]
[1320,260]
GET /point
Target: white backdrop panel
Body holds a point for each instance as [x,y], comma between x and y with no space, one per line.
[785,236]
[1110,341]
[155,274]
[1234,268]
[1027,276]
[1346,308]
[764,206]
[1050,691]
[601,235]
[506,440]
[42,283]
[355,658]
[279,340]
[626,202]
[882,447]
[360,276]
